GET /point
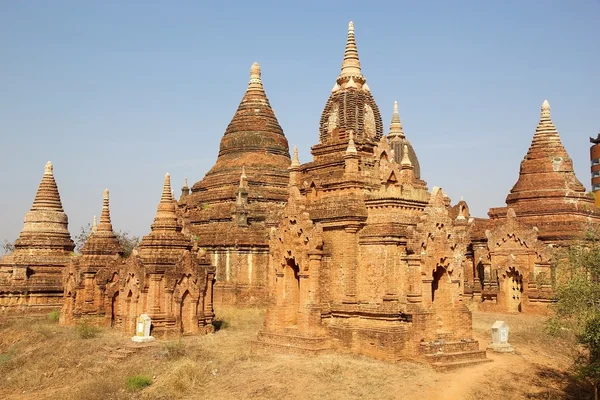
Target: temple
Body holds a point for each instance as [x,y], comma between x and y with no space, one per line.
[31,276]
[164,278]
[365,259]
[231,210]
[512,251]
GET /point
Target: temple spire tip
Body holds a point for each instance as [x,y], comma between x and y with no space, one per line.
[48,169]
[255,73]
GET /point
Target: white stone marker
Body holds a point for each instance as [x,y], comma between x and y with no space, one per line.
[142,329]
[500,338]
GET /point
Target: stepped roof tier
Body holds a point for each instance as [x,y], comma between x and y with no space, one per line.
[166,242]
[255,143]
[397,140]
[43,248]
[102,241]
[547,194]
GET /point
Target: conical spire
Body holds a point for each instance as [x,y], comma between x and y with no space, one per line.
[351,149]
[105,223]
[255,74]
[546,135]
[46,224]
[295,159]
[47,196]
[405,162]
[396,125]
[166,218]
[351,63]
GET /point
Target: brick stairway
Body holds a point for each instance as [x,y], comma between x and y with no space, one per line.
[446,354]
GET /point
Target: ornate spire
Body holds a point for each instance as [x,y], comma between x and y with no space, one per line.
[94,225]
[165,219]
[396,126]
[46,224]
[185,190]
[255,74]
[545,133]
[295,160]
[105,223]
[351,149]
[351,63]
[405,162]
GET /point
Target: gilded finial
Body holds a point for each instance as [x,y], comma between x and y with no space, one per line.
[255,73]
[48,170]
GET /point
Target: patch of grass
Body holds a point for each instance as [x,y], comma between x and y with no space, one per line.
[87,331]
[138,382]
[54,315]
[174,350]
[6,357]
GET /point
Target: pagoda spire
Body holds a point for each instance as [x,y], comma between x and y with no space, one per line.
[405,162]
[166,218]
[105,223]
[351,72]
[396,125]
[47,196]
[295,159]
[546,135]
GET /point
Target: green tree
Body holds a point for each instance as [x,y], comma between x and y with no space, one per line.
[577,306]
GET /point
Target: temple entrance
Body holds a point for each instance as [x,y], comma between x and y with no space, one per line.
[114,309]
[513,288]
[441,293]
[291,291]
[186,313]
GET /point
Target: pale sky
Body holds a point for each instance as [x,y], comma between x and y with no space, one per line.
[116,93]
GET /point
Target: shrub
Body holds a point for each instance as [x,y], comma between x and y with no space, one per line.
[138,382]
[86,331]
[54,315]
[174,350]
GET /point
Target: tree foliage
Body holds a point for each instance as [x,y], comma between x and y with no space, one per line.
[577,307]
[7,246]
[128,242]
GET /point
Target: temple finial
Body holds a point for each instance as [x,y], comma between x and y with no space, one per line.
[166,194]
[255,74]
[351,149]
[185,184]
[396,129]
[295,159]
[405,162]
[545,110]
[49,169]
[351,63]
[105,224]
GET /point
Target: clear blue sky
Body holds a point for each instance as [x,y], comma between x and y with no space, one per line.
[117,93]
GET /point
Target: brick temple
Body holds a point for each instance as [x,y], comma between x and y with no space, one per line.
[231,210]
[547,208]
[365,259]
[164,278]
[31,276]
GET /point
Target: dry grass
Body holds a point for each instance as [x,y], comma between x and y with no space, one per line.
[39,359]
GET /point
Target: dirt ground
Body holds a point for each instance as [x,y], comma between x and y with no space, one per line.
[41,360]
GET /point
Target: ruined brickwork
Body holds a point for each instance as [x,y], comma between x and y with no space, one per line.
[511,253]
[30,276]
[164,278]
[366,260]
[231,210]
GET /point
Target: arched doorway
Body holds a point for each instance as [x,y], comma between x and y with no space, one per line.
[291,291]
[114,309]
[186,313]
[513,289]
